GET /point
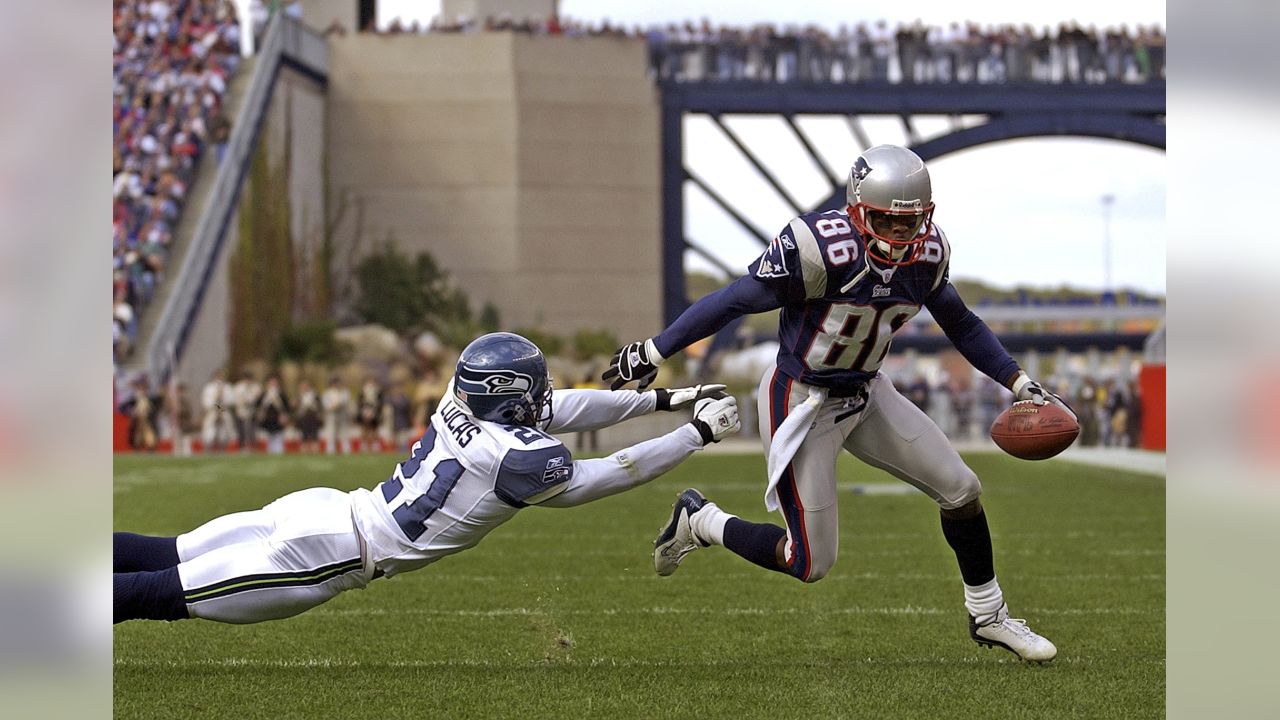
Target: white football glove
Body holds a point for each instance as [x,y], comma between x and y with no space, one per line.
[682,398]
[637,361]
[716,418]
[1024,388]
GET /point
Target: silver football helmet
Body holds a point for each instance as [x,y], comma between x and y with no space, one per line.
[891,203]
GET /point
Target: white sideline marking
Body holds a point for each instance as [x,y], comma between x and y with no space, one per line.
[596,662]
[646,576]
[624,552]
[521,536]
[747,611]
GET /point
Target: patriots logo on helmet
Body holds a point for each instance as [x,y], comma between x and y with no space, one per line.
[493,382]
[858,173]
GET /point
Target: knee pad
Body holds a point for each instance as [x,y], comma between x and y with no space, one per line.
[810,570]
[966,491]
[817,572]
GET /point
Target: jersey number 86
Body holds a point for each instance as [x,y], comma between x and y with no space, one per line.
[856,337]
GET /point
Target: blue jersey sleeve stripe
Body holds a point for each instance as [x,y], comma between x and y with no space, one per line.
[525,474]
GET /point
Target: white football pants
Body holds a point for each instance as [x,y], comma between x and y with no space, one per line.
[290,556]
[890,433]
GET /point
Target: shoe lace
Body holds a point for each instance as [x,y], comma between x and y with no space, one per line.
[1018,626]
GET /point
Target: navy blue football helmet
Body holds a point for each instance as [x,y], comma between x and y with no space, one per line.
[502,377]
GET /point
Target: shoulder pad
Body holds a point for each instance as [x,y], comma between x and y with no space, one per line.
[937,251]
[530,476]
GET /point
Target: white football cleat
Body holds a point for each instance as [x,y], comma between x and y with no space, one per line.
[676,539]
[1013,635]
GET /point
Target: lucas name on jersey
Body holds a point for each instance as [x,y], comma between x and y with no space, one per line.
[458,423]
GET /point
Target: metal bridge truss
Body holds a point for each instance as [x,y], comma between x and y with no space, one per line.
[1132,113]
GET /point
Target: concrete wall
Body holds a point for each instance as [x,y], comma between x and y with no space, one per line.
[293,131]
[529,166]
[319,14]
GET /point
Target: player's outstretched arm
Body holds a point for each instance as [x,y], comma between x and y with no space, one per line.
[598,478]
[584,410]
[639,360]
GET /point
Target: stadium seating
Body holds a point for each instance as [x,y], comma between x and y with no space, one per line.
[171,65]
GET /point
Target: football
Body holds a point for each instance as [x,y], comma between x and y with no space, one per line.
[1034,432]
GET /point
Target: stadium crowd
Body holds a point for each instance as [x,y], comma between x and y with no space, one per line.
[251,414]
[171,64]
[865,52]
[1109,409]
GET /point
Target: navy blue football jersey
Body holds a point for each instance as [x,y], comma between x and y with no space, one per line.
[839,308]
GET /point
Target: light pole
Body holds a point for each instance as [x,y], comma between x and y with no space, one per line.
[1107,201]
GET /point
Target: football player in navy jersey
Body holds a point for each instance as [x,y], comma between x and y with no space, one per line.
[485,455]
[846,280]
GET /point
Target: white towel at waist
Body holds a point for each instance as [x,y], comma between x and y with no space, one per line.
[786,441]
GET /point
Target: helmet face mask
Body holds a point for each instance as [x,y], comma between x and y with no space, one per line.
[890,202]
[502,378]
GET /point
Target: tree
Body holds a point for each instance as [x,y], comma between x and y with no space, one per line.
[409,296]
[588,344]
[489,319]
[313,341]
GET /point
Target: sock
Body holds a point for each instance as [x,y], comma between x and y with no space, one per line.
[757,542]
[970,538]
[155,595]
[708,524]
[984,602]
[135,553]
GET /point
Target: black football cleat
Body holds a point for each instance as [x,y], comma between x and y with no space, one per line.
[676,538]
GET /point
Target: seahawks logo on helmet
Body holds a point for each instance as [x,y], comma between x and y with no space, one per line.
[493,382]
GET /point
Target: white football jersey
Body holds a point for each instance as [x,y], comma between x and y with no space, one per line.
[466,476]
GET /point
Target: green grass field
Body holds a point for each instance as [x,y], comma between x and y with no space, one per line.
[559,613]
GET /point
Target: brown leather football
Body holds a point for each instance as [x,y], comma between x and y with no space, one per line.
[1034,432]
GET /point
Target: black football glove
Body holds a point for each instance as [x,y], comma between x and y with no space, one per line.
[637,361]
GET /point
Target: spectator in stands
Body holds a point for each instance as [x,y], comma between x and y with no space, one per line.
[336,402]
[1085,405]
[170,66]
[1133,413]
[369,414]
[141,410]
[246,393]
[427,395]
[220,135]
[401,409]
[309,417]
[918,393]
[177,419]
[962,405]
[335,29]
[217,399]
[272,414]
[991,400]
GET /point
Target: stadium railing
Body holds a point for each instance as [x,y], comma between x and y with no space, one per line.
[286,42]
